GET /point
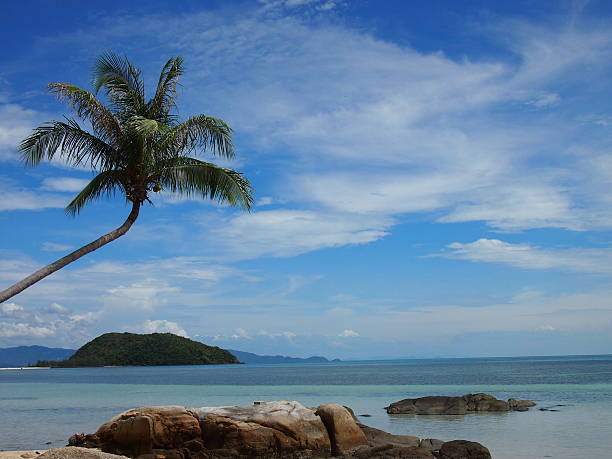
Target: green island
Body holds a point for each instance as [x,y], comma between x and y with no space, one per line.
[131,349]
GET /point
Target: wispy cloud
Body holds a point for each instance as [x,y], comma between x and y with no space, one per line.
[69,184]
[596,260]
[286,233]
[55,247]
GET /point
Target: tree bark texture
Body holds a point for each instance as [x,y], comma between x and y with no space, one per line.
[59,264]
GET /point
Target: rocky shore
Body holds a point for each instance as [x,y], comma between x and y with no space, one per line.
[280,429]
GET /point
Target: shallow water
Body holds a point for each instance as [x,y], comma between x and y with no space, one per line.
[50,405]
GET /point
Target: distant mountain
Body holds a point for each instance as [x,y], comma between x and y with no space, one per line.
[131,349]
[22,356]
[248,357]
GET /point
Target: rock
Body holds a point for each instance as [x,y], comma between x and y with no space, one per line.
[344,433]
[394,452]
[463,449]
[142,430]
[350,410]
[520,405]
[467,403]
[436,404]
[271,429]
[74,452]
[484,402]
[378,437]
[84,440]
[431,444]
[365,415]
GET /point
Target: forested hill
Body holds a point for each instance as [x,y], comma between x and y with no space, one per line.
[130,349]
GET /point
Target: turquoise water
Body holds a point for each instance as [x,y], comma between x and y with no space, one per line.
[43,406]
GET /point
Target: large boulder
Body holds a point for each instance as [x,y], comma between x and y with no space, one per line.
[467,403]
[344,433]
[463,449]
[268,429]
[377,437]
[144,430]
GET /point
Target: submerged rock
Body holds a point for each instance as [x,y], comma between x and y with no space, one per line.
[468,403]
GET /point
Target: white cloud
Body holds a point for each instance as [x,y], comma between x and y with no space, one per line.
[17,197]
[530,257]
[265,201]
[10,309]
[163,326]
[348,334]
[56,308]
[69,184]
[144,295]
[16,123]
[55,247]
[22,330]
[545,100]
[285,233]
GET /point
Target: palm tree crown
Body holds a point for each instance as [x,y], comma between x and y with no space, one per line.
[135,145]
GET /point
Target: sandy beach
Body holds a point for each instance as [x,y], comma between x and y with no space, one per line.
[26,454]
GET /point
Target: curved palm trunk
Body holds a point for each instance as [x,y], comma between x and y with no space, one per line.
[94,245]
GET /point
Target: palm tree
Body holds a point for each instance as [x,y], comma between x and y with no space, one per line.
[136,146]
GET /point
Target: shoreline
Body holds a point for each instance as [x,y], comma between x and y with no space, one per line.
[25,368]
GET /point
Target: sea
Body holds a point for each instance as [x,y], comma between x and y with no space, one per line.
[573,417]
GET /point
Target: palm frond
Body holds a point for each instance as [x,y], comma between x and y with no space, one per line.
[190,176]
[104,184]
[87,106]
[201,131]
[146,127]
[122,82]
[164,100]
[75,145]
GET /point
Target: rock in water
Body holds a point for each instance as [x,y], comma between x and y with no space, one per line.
[520,405]
[467,403]
[344,433]
[271,429]
[463,449]
[436,404]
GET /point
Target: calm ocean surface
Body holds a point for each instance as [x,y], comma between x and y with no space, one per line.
[40,406]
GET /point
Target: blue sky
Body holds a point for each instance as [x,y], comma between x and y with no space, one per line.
[432,178]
